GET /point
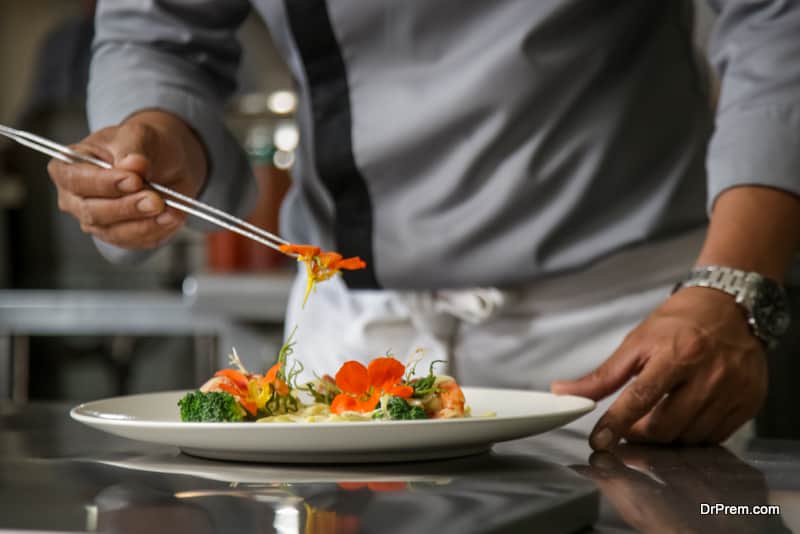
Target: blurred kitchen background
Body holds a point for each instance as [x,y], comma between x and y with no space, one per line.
[74,327]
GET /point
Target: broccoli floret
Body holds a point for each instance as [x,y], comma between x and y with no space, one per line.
[398,408]
[215,406]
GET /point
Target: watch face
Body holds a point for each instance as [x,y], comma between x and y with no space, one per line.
[771,309]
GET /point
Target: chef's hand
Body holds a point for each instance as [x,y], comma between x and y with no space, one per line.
[698,375]
[114,205]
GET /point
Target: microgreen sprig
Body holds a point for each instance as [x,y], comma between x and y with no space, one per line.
[426,386]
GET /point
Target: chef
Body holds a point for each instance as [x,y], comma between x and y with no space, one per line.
[529,183]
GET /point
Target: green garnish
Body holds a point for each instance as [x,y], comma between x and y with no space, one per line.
[283,355]
[426,386]
[324,389]
[215,406]
[398,409]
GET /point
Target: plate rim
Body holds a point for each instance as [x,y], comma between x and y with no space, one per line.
[76,414]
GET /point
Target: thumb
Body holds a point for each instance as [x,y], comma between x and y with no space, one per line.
[602,381]
[130,148]
[135,163]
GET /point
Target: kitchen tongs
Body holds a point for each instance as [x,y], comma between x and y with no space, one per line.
[172,198]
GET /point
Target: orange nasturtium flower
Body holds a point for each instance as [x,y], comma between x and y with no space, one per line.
[321,265]
[362,387]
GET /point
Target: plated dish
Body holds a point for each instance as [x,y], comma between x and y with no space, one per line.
[155,418]
[383,390]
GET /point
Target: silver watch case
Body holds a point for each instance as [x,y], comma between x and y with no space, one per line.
[763,299]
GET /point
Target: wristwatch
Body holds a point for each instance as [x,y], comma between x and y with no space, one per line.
[764,300]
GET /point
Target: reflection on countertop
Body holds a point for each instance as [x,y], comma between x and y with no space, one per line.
[57,474]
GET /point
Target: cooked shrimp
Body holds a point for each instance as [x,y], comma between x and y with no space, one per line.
[448,401]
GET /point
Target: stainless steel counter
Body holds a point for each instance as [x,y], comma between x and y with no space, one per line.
[58,475]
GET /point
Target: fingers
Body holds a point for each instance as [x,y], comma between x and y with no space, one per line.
[733,420]
[137,221]
[126,147]
[657,379]
[113,204]
[676,412]
[136,163]
[702,411]
[604,380]
[710,418]
[85,180]
[109,211]
[139,234]
[750,399]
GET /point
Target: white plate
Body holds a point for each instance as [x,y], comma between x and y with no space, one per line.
[154,418]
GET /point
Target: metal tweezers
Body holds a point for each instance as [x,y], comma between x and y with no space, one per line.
[174,199]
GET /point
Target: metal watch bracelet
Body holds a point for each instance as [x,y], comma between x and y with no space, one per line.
[726,279]
[762,299]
